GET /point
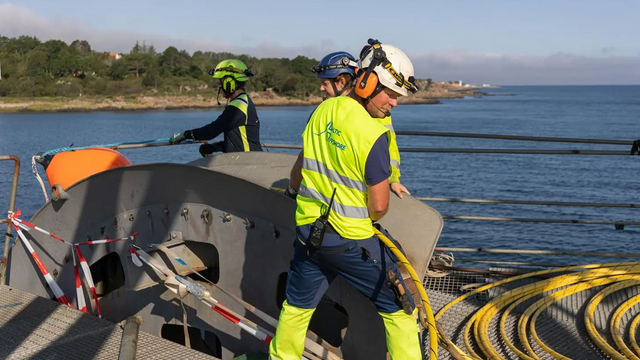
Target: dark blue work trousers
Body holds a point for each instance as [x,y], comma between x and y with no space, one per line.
[363,263]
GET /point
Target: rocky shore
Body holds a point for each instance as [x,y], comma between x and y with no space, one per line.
[144,102]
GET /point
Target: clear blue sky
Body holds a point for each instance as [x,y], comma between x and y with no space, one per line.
[521,29]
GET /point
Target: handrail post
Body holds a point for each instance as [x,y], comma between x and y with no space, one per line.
[129,341]
[12,205]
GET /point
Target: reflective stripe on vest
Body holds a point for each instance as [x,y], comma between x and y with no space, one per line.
[337,142]
[317,166]
[394,154]
[241,102]
[344,210]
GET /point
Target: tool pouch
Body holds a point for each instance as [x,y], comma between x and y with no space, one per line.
[401,291]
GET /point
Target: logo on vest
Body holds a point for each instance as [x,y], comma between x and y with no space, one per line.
[332,133]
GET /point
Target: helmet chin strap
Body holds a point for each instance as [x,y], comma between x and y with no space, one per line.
[335,89]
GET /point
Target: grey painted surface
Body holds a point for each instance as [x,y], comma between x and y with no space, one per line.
[150,199]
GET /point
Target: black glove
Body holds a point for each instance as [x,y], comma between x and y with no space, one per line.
[290,192]
[208,149]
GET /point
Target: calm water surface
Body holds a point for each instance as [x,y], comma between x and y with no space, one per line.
[606,112]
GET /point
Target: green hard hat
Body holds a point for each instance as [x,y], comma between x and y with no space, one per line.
[234,68]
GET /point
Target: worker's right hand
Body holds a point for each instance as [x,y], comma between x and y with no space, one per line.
[177,138]
[398,189]
[208,149]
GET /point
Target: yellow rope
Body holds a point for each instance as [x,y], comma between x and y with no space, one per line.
[579,278]
[484,314]
[537,308]
[615,326]
[526,292]
[632,334]
[429,322]
[588,317]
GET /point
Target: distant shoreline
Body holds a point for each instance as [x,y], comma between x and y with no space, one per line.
[143,103]
[161,105]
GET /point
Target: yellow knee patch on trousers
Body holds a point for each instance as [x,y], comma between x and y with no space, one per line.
[403,336]
[288,342]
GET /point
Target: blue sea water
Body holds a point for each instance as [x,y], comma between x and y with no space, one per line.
[603,112]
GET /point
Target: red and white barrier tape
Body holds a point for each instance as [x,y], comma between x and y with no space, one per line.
[81,304]
[260,333]
[253,329]
[14,217]
[105,241]
[57,292]
[87,275]
[139,256]
[20,225]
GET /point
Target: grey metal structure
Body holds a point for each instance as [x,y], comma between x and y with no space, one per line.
[220,215]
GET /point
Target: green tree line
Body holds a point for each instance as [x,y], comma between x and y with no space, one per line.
[32,68]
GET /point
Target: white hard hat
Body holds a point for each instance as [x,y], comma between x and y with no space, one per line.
[392,67]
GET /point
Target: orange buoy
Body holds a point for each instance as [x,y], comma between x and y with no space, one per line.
[69,167]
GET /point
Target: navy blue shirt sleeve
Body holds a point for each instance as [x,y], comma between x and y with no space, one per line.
[230,118]
[377,165]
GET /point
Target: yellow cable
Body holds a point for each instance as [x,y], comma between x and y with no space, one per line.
[467,343]
[524,276]
[588,317]
[484,315]
[632,334]
[503,332]
[429,322]
[586,279]
[596,274]
[542,304]
[615,326]
[511,279]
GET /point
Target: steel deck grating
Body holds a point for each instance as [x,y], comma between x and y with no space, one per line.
[32,327]
[561,326]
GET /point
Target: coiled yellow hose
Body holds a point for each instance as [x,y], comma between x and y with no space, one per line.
[595,275]
[483,316]
[580,278]
[615,327]
[538,307]
[428,321]
[588,317]
[632,334]
[486,313]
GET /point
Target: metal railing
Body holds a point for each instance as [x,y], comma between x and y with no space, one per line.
[634,150]
[619,224]
[528,202]
[488,151]
[517,137]
[12,205]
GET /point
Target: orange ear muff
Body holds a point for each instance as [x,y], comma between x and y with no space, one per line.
[370,85]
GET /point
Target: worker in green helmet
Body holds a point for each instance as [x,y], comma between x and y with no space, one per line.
[239,120]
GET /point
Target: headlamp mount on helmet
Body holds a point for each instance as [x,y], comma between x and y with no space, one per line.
[345,62]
